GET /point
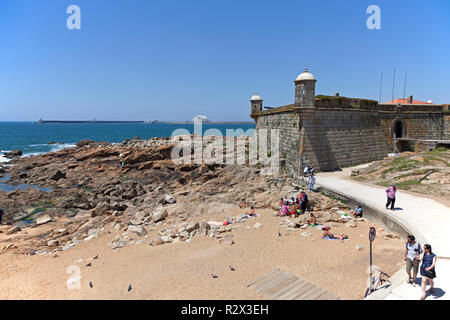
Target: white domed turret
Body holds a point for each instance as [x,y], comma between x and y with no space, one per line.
[305,90]
[255,103]
[255,97]
[305,76]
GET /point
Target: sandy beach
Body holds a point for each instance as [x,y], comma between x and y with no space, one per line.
[183,270]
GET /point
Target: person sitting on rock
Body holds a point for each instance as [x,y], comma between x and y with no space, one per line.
[357,212]
[292,208]
[281,202]
[284,209]
[312,219]
[327,233]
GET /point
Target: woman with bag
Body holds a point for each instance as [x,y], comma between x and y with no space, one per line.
[427,269]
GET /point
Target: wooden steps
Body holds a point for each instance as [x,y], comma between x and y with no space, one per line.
[280,285]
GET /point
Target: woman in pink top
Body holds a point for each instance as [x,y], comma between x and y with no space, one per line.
[284,209]
[390,192]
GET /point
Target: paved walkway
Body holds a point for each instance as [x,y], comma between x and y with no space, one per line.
[426,216]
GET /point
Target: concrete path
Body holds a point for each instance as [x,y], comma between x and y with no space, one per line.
[422,215]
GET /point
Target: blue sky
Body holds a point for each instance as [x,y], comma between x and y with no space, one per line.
[171,60]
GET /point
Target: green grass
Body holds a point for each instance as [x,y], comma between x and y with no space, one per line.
[429,158]
[401,164]
[385,183]
[416,172]
[406,185]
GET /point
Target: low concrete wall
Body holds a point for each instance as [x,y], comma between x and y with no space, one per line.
[376,215]
[389,223]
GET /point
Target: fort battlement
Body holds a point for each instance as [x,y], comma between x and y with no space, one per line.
[331,132]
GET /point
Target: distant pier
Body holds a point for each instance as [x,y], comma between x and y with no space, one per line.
[135,122]
[82,121]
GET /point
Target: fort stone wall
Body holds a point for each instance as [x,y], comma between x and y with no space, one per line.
[333,139]
[288,125]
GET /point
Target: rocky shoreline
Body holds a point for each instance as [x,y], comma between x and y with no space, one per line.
[135,187]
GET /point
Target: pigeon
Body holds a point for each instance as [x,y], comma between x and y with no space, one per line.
[279,233]
[214,276]
[95,258]
[90,284]
[129,288]
[89,264]
[232,269]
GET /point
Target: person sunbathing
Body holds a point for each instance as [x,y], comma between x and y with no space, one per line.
[327,233]
[252,212]
[312,219]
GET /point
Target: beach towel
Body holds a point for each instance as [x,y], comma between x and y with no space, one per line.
[328,238]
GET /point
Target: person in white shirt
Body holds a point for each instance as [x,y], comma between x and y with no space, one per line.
[412,252]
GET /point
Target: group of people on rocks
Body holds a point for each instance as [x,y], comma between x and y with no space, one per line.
[294,207]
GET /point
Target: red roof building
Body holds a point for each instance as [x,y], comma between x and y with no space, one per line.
[407,101]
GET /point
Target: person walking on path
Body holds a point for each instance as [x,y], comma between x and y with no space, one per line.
[427,269]
[1,215]
[390,192]
[312,180]
[412,252]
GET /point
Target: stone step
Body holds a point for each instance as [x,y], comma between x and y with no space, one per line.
[280,285]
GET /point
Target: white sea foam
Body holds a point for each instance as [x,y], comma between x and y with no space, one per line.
[3,159]
[53,148]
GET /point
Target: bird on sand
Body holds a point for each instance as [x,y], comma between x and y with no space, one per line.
[232,269]
[214,276]
[129,288]
[279,233]
[95,258]
[89,264]
[90,284]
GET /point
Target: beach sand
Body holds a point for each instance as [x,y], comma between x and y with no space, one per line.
[183,270]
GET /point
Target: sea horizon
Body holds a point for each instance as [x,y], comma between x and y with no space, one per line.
[34,139]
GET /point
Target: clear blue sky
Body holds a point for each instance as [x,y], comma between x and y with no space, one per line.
[142,59]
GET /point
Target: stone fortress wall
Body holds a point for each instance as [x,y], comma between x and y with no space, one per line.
[331,132]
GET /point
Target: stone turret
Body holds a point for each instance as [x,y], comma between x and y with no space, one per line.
[305,90]
[255,104]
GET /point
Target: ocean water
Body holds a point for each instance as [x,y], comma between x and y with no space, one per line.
[33,139]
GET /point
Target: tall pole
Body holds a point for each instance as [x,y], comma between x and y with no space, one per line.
[404,88]
[371,279]
[372,233]
[381,86]
[393,86]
